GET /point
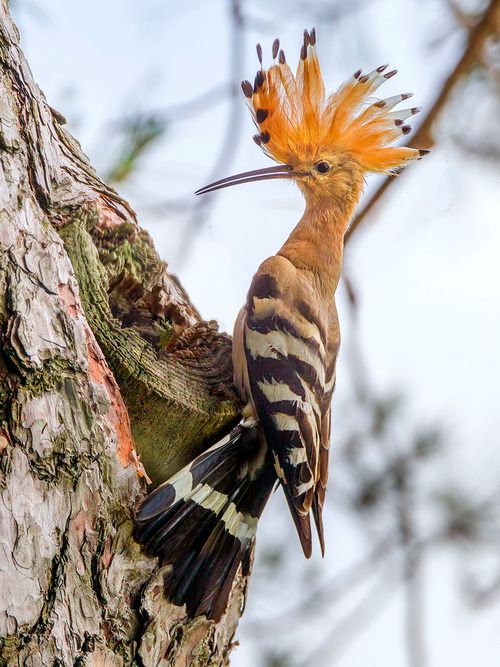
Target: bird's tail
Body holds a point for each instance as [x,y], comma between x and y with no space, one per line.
[203,520]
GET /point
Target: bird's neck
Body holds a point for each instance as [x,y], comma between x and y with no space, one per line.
[317,242]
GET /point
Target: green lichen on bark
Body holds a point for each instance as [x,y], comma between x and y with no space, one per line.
[174,407]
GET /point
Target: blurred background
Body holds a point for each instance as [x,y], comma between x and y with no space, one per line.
[151,90]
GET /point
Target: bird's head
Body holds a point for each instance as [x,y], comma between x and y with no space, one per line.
[325,144]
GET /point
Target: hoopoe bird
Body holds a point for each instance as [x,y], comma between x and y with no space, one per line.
[202,522]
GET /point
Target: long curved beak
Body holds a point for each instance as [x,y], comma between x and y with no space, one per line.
[268,173]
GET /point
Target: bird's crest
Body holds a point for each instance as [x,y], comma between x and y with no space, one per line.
[298,123]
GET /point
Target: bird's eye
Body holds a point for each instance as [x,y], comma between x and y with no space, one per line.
[323,167]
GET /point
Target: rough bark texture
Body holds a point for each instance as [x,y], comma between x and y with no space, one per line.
[94,331]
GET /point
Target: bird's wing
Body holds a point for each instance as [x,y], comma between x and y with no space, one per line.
[326,416]
[286,364]
[320,489]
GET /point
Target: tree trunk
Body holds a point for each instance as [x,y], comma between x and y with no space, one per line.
[101,355]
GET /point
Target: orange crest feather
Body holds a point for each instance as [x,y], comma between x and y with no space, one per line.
[297,123]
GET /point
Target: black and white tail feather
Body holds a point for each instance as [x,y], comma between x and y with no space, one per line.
[203,520]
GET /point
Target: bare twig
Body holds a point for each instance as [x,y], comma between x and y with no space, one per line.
[423,137]
[176,113]
[202,206]
[198,104]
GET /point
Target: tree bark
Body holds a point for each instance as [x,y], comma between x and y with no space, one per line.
[102,355]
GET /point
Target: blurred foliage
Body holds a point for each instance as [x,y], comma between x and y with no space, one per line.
[277,659]
[136,135]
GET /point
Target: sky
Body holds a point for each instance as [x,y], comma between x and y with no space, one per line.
[425,266]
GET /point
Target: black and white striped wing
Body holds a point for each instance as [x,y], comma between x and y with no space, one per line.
[285,356]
